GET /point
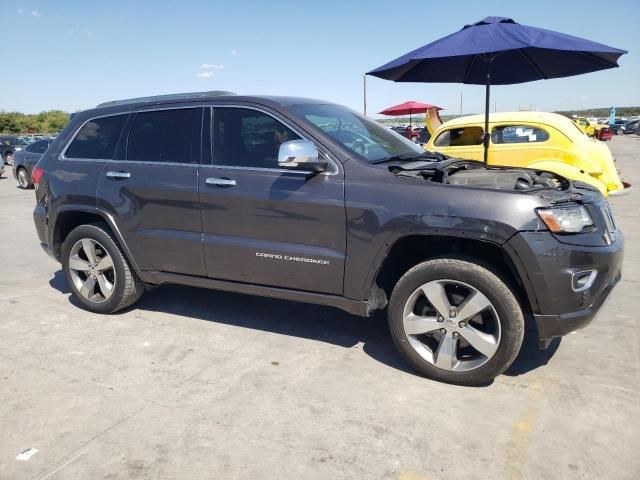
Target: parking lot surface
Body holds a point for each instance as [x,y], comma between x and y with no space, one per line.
[196,384]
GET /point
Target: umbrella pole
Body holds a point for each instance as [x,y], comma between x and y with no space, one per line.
[487,134]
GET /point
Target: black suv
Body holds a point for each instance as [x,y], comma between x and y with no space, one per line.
[309,201]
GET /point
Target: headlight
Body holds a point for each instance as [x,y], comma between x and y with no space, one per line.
[18,149]
[566,219]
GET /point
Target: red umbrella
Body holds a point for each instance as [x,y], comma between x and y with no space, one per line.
[408,108]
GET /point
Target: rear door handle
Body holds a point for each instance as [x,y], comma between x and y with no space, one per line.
[221,182]
[112,174]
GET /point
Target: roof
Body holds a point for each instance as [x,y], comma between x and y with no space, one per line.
[547,118]
[204,96]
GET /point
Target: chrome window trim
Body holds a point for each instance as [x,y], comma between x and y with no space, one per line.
[296,130]
[335,164]
[261,169]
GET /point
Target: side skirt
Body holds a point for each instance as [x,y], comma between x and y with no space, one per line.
[354,307]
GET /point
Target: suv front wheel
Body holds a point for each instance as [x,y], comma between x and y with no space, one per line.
[97,271]
[455,321]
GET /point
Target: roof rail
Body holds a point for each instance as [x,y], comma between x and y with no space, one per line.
[171,96]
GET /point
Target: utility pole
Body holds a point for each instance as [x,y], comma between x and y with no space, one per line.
[460,101]
[364,78]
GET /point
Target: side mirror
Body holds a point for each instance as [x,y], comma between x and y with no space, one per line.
[300,155]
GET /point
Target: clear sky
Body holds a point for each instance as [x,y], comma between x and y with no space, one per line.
[72,55]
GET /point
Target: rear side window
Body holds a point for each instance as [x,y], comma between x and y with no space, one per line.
[247,138]
[460,137]
[518,134]
[97,139]
[38,147]
[166,136]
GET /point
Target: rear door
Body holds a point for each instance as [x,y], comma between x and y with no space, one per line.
[262,224]
[151,189]
[520,145]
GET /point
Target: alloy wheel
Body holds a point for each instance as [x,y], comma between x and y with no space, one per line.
[91,270]
[22,178]
[452,325]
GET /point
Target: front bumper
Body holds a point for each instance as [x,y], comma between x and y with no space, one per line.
[547,266]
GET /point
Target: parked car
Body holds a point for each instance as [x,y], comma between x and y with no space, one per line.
[10,144]
[538,140]
[604,133]
[631,127]
[309,201]
[619,127]
[586,126]
[26,159]
[422,135]
[415,133]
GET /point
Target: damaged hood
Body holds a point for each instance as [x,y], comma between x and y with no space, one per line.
[438,168]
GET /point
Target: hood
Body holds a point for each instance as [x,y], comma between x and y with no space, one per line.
[458,172]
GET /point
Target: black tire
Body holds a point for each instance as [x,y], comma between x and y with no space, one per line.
[620,131]
[495,290]
[128,287]
[27,184]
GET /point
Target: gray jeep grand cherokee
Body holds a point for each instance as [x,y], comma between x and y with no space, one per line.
[309,201]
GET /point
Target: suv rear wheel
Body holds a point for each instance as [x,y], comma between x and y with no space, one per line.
[455,321]
[97,271]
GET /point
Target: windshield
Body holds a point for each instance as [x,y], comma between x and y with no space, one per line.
[360,135]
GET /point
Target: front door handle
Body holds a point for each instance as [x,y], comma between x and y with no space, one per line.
[112,174]
[221,182]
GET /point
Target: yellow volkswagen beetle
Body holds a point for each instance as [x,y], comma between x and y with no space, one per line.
[538,140]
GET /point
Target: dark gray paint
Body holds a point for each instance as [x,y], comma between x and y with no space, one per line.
[176,228]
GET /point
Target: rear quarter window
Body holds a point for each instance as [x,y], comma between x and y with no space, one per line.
[97,139]
[508,134]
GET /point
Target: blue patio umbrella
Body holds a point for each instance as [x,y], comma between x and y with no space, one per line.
[499,51]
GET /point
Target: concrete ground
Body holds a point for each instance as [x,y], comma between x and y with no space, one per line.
[200,384]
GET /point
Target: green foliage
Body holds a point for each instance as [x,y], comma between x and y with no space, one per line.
[602,112]
[44,122]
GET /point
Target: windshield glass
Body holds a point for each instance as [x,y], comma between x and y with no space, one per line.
[360,135]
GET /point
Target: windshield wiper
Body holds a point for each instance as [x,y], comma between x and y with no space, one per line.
[402,158]
[433,156]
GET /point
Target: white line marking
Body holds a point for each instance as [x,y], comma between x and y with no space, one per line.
[64,464]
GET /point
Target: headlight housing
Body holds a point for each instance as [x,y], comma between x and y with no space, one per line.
[572,219]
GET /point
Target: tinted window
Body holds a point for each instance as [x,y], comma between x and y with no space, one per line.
[247,138]
[460,137]
[97,138]
[358,134]
[518,134]
[166,136]
[38,147]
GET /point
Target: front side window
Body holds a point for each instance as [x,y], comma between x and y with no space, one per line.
[166,136]
[358,134]
[460,137]
[244,137]
[518,134]
[97,138]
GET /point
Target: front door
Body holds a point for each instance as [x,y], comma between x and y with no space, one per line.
[151,189]
[262,224]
